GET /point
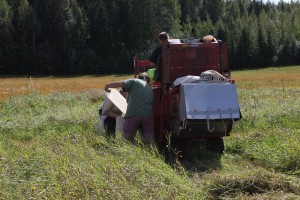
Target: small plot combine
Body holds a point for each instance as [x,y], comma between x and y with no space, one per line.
[195,98]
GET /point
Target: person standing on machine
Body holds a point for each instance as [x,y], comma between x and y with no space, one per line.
[155,58]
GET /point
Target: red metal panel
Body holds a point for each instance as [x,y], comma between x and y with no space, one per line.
[182,60]
[139,66]
[224,56]
[157,115]
[143,63]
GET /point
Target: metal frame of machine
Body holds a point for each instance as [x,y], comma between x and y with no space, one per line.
[185,57]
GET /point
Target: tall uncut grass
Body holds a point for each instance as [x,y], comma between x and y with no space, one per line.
[269,134]
[50,149]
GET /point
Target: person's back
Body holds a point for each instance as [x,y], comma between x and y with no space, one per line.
[139,114]
[140,97]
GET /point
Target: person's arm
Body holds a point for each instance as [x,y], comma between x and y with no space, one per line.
[113,85]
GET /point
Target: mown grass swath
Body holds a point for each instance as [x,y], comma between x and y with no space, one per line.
[50,148]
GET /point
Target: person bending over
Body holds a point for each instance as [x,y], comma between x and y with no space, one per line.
[139,114]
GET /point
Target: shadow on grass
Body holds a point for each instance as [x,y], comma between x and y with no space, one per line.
[193,157]
[190,156]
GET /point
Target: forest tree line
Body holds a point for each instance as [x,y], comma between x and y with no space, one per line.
[102,36]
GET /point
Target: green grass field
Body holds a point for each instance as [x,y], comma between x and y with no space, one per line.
[50,149]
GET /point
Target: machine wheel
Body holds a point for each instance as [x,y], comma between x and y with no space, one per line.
[216,145]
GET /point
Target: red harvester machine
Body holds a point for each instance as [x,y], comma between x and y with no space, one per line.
[193,111]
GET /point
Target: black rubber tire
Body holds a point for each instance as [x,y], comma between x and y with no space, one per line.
[215,145]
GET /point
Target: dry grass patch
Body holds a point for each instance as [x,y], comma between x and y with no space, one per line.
[279,77]
[20,86]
